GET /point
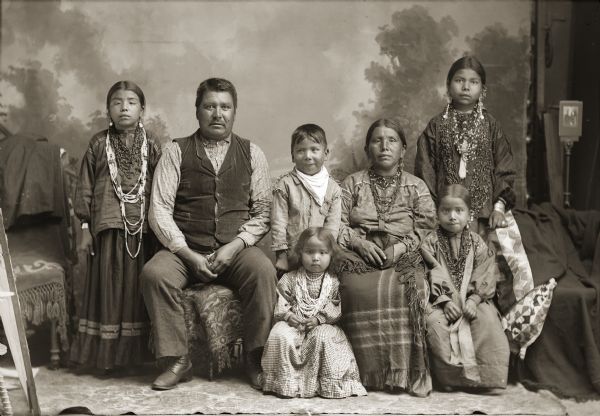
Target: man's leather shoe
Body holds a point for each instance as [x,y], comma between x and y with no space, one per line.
[254,369]
[180,370]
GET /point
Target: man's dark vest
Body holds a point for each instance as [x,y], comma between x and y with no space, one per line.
[200,188]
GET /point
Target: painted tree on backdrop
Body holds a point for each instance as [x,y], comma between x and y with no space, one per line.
[417,53]
[46,112]
[43,111]
[411,85]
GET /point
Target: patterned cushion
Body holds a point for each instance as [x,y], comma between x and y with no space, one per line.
[40,272]
[524,322]
[213,317]
[524,307]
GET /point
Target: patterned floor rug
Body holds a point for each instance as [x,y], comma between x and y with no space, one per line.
[59,390]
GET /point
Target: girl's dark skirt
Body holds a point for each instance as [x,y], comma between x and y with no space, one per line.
[113,323]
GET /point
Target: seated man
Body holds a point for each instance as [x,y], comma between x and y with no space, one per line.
[210,204]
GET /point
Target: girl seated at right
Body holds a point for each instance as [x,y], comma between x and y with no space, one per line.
[306,354]
[304,197]
[464,334]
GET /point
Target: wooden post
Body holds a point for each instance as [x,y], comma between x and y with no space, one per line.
[12,319]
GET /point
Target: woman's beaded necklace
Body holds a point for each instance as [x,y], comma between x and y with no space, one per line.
[306,304]
[382,203]
[137,193]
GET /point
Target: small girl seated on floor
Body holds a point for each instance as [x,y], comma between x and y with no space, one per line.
[464,334]
[307,354]
[304,197]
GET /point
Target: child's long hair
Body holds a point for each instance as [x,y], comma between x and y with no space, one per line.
[128,86]
[466,62]
[324,236]
[456,190]
[311,132]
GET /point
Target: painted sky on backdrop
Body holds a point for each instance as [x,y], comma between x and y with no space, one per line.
[292,62]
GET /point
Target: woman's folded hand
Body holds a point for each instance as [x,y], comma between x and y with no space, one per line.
[371,253]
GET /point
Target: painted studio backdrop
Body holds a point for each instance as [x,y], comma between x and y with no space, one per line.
[339,64]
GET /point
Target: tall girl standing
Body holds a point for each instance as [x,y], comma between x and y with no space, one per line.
[464,144]
[111,202]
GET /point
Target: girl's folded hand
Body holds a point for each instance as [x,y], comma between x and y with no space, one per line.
[452,311]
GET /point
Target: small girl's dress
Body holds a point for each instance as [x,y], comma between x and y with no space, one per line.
[319,362]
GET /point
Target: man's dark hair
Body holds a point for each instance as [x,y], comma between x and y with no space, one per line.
[216,85]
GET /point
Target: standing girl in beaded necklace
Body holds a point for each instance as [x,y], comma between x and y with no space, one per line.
[465,144]
[306,354]
[464,334]
[111,202]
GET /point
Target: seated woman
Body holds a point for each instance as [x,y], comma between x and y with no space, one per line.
[385,214]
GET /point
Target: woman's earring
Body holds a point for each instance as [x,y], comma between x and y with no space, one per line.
[449,100]
[140,124]
[480,104]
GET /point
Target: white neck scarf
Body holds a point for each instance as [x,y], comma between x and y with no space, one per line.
[316,184]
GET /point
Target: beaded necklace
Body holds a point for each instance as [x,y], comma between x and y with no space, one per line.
[382,203]
[456,265]
[477,152]
[136,194]
[306,304]
[464,128]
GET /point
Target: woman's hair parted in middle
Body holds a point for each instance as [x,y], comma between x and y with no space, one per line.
[311,132]
[322,235]
[456,190]
[390,124]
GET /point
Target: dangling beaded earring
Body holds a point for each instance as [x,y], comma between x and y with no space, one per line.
[140,124]
[448,100]
[480,104]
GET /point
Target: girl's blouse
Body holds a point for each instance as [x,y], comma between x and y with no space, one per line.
[498,161]
[410,217]
[482,282]
[95,199]
[287,303]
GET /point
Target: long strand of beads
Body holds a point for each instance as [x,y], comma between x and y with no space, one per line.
[133,196]
[306,304]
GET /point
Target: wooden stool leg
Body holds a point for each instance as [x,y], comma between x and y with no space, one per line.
[54,347]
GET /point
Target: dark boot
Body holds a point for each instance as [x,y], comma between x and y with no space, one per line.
[254,369]
[180,370]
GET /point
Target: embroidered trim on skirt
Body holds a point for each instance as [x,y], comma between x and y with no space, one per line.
[113,323]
